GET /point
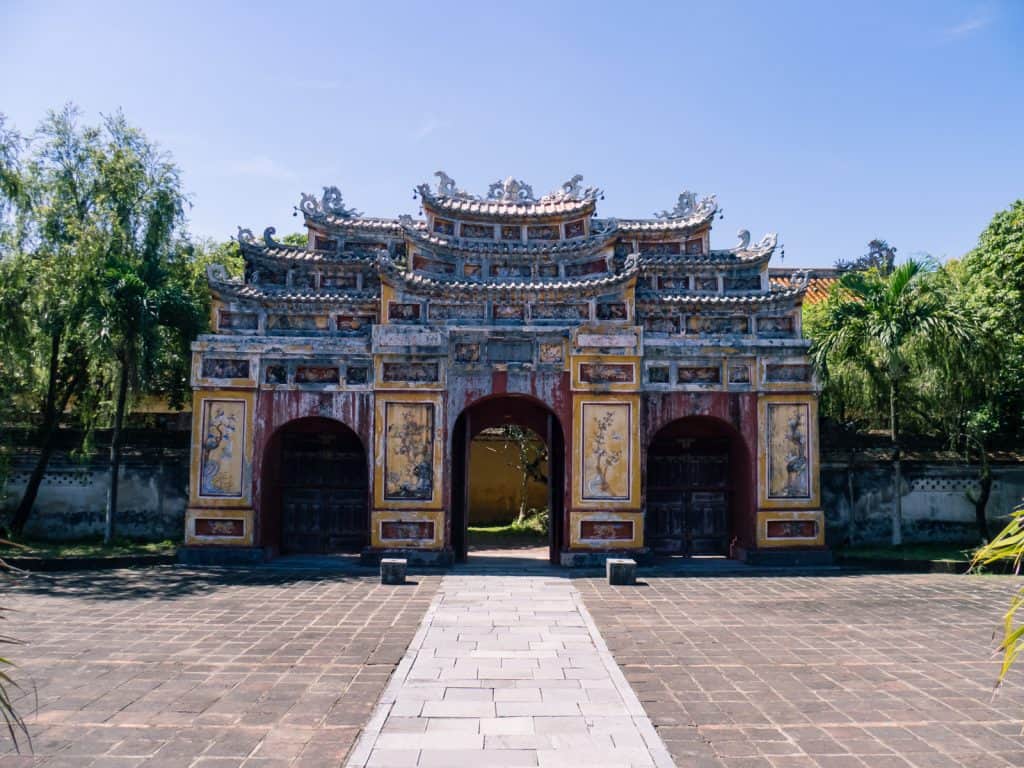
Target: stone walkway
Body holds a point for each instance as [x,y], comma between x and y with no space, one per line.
[508,671]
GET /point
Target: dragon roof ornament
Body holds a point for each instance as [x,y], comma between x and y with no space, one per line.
[510,190]
[331,203]
[688,205]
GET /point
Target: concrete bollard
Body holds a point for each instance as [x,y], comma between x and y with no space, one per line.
[621,571]
[392,570]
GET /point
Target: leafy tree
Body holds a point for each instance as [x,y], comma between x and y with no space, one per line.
[877,324]
[56,284]
[145,317]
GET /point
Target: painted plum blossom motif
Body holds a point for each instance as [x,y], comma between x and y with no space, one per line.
[409,472]
[796,459]
[219,476]
[605,451]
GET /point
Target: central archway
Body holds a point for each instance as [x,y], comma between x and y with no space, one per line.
[500,411]
[315,489]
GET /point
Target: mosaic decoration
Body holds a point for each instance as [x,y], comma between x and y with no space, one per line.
[694,247]
[508,312]
[607,432]
[560,311]
[238,321]
[606,373]
[716,324]
[225,368]
[316,374]
[406,371]
[575,228]
[295,322]
[788,453]
[542,232]
[739,374]
[403,530]
[275,373]
[467,353]
[586,268]
[403,313]
[745,283]
[791,529]
[658,374]
[478,231]
[702,283]
[511,233]
[442,311]
[786,373]
[205,526]
[551,352]
[704,374]
[357,374]
[408,451]
[338,280]
[444,227]
[606,530]
[661,324]
[221,460]
[775,326]
[354,324]
[612,311]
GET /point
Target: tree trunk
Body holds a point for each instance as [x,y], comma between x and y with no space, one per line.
[849,492]
[981,501]
[897,475]
[115,453]
[47,432]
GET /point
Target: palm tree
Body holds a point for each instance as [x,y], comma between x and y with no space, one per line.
[875,322]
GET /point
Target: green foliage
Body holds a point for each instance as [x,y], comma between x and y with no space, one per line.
[16,727]
[1007,547]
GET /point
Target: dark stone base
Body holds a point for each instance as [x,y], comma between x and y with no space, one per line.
[598,559]
[441,558]
[788,557]
[221,555]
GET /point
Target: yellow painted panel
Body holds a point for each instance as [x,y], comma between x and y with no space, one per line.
[797,528]
[787,452]
[407,472]
[606,452]
[220,473]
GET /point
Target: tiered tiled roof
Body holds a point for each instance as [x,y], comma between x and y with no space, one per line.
[511,198]
[223,287]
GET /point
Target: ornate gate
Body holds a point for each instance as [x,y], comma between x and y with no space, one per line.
[323,493]
[688,496]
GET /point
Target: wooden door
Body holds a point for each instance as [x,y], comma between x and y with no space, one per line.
[688,497]
[323,493]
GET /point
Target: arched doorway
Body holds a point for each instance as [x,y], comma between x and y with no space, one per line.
[315,489]
[489,414]
[697,487]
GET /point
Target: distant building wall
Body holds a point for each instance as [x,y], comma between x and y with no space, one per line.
[935,502]
[494,482]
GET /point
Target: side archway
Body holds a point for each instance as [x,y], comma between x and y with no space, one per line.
[315,489]
[698,488]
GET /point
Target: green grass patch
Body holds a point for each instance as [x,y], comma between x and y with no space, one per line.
[85,548]
[936,551]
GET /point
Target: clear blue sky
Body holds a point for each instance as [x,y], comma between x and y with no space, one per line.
[828,122]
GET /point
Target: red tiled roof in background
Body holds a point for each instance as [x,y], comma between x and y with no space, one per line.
[820,284]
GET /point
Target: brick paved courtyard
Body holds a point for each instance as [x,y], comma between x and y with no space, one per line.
[168,667]
[878,671]
[269,667]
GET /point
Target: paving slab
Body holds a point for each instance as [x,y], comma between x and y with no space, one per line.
[841,670]
[512,693]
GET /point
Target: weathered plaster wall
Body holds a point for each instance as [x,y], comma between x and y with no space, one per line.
[935,503]
[72,498]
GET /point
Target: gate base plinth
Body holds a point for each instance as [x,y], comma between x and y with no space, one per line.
[441,558]
[788,557]
[598,559]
